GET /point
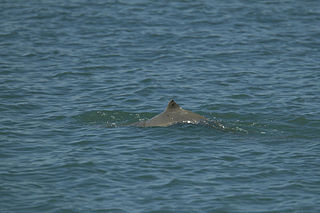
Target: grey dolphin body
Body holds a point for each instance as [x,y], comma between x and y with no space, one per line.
[172,115]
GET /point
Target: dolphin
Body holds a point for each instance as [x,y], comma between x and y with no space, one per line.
[172,115]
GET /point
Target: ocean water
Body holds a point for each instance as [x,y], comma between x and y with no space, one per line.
[74,73]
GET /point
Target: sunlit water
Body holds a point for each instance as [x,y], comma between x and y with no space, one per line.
[74,74]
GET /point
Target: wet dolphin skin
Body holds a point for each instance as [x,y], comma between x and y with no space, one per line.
[172,115]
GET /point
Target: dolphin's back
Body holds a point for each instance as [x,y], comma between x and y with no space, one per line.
[172,115]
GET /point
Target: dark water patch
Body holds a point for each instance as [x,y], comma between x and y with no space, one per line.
[240,96]
[300,121]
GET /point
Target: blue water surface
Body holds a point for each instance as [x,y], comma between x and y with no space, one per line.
[73,74]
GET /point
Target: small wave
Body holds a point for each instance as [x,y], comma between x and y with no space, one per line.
[64,74]
[111,118]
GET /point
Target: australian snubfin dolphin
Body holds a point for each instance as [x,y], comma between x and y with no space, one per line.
[172,115]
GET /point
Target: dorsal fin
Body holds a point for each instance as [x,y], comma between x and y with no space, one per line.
[172,105]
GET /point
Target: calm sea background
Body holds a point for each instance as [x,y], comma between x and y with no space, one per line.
[74,73]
